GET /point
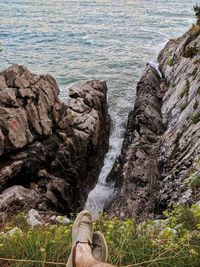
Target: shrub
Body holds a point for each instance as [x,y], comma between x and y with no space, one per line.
[186,89]
[183,106]
[171,62]
[194,183]
[196,118]
[197,13]
[190,52]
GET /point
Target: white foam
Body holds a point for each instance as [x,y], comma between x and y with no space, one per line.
[103,190]
[155,65]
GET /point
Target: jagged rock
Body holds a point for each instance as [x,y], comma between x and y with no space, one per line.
[160,159]
[50,152]
[136,172]
[17,197]
[179,154]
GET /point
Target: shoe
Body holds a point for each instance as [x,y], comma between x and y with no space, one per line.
[100,248]
[81,231]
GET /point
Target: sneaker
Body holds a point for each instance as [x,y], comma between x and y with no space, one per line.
[81,231]
[100,248]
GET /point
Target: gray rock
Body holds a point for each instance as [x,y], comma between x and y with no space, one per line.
[161,149]
[34,218]
[17,197]
[180,144]
[51,152]
[63,220]
[137,172]
[15,231]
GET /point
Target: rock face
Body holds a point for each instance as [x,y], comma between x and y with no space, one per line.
[136,171]
[179,154]
[160,158]
[50,152]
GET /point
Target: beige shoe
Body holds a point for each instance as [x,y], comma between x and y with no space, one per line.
[100,248]
[81,231]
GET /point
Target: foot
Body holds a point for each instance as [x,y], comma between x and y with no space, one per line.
[100,249]
[81,232]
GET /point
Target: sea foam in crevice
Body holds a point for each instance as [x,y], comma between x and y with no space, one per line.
[156,66]
[103,190]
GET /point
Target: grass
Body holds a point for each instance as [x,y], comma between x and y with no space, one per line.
[176,244]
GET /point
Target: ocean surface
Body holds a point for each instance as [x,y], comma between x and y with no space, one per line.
[83,40]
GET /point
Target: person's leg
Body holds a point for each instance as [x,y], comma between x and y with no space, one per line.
[84,257]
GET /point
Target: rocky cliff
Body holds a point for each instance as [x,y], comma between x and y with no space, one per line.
[160,159]
[50,152]
[179,155]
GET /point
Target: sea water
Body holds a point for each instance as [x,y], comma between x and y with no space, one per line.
[84,40]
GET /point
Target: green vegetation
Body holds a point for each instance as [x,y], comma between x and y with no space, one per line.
[194,183]
[196,118]
[171,62]
[164,243]
[183,106]
[173,85]
[186,89]
[196,27]
[191,52]
[197,13]
[192,179]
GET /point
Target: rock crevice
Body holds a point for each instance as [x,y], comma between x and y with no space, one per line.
[136,171]
[160,159]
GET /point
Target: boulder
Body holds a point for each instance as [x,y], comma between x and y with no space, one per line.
[51,152]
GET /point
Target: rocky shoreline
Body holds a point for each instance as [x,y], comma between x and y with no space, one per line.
[51,152]
[160,160]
